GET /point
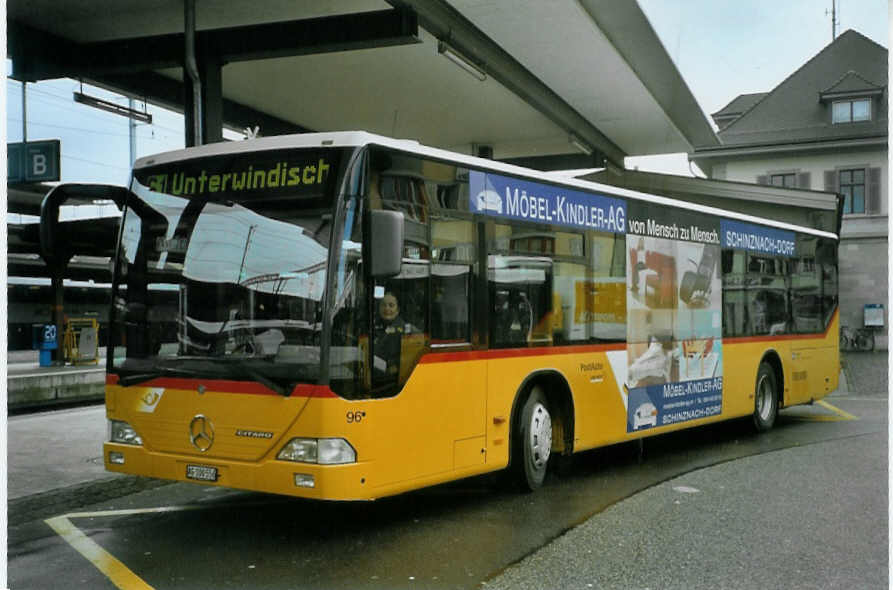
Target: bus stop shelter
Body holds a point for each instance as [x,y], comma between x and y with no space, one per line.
[521,78]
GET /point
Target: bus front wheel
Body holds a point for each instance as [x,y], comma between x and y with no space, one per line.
[533,440]
[765,398]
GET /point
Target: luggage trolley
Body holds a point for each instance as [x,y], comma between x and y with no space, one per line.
[81,341]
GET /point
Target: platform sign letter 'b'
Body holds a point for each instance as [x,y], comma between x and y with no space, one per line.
[35,161]
[38,164]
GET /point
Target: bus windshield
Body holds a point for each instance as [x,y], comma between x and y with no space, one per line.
[221,269]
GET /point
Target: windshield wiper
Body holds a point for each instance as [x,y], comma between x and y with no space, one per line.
[140,372]
[133,379]
[144,376]
[236,368]
[260,377]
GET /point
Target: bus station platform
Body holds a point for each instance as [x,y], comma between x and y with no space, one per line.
[31,386]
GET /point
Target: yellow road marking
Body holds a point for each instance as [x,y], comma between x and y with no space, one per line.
[113,569]
[816,418]
[837,415]
[844,415]
[104,561]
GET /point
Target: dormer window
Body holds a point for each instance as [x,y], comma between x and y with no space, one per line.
[851,111]
[850,98]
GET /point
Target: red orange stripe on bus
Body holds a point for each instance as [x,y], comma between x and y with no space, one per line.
[474,355]
[229,386]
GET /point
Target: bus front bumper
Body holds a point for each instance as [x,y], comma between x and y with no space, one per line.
[306,480]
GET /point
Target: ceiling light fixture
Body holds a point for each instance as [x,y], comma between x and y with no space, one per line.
[578,143]
[104,105]
[461,61]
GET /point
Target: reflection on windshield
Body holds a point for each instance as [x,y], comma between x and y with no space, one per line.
[266,277]
[221,289]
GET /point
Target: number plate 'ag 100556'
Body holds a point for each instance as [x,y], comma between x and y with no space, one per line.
[201,472]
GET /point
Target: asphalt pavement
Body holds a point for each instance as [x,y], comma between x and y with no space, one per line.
[804,517]
[812,516]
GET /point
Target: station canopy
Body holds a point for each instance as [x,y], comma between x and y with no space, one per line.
[517,76]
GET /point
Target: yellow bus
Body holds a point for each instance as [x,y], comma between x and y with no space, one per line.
[346,316]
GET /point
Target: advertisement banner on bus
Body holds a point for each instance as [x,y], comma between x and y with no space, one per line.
[674,310]
[757,238]
[524,200]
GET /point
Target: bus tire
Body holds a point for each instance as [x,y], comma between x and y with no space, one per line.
[533,441]
[765,398]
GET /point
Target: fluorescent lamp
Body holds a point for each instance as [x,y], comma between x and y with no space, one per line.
[461,61]
[104,105]
[578,143]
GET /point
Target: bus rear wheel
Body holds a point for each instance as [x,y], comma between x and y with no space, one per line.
[533,441]
[765,398]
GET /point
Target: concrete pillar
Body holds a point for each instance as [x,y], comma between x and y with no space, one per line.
[211,75]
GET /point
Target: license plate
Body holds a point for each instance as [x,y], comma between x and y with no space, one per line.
[201,472]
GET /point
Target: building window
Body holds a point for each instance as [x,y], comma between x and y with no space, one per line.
[852,187]
[851,111]
[785,180]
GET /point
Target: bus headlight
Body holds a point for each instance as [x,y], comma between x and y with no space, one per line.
[325,451]
[122,432]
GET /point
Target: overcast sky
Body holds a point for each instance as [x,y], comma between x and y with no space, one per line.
[724,48]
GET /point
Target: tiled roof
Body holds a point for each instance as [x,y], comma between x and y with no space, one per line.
[740,104]
[852,81]
[793,112]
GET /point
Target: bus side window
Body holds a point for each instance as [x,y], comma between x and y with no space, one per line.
[599,306]
[521,291]
[806,301]
[734,302]
[453,249]
[767,295]
[827,257]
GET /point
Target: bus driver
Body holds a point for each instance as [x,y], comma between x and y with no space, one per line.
[389,330]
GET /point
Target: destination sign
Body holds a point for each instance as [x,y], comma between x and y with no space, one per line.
[305,172]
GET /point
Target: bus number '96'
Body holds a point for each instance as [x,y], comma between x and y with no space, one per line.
[355,417]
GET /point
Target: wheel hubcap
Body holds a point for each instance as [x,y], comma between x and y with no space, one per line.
[540,436]
[764,398]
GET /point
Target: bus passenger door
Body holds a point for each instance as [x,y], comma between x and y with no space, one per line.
[801,358]
[435,411]
[434,414]
[806,316]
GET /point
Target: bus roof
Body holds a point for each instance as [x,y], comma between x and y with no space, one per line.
[362,138]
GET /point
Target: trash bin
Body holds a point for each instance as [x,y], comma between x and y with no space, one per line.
[43,339]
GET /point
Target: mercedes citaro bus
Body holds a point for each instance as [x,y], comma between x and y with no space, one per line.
[530,316]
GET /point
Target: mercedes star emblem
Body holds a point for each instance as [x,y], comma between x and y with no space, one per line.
[201,433]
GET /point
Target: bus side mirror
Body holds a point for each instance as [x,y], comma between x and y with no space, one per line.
[387,243]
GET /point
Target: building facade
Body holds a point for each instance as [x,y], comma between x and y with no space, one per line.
[823,128]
